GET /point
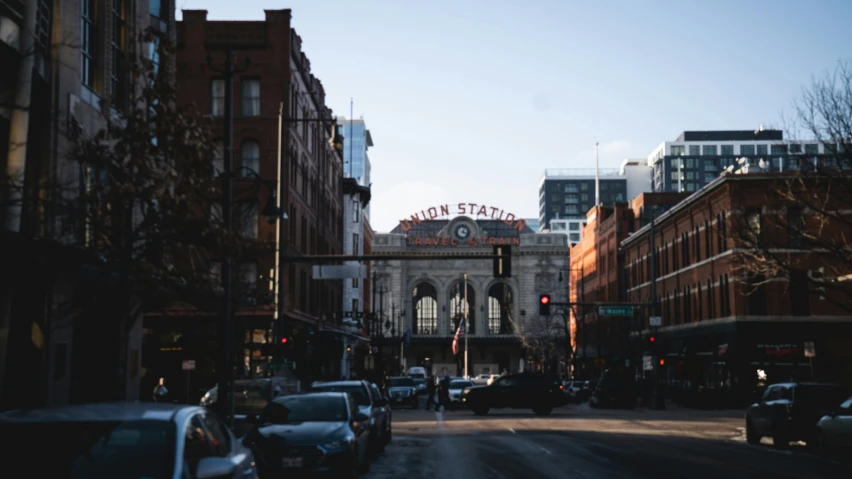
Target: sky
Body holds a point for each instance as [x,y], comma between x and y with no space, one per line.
[470,100]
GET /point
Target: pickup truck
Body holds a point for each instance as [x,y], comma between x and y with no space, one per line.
[538,392]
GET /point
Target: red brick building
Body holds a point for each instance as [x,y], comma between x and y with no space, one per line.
[719,326]
[272,71]
[597,276]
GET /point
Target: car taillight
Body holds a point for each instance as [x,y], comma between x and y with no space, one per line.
[561,387]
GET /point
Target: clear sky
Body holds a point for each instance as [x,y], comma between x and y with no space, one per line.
[470,100]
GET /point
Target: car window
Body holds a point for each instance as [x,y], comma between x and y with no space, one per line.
[506,382]
[219,435]
[304,408]
[359,392]
[377,395]
[196,446]
[770,394]
[785,393]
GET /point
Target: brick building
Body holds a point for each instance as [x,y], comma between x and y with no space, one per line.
[597,276]
[719,325]
[273,72]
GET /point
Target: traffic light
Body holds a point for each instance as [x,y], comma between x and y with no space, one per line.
[662,362]
[503,262]
[283,347]
[652,339]
[544,305]
[283,340]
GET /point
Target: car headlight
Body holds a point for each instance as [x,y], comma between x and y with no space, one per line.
[466,391]
[335,444]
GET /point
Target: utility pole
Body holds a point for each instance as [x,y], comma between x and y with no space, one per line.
[225,394]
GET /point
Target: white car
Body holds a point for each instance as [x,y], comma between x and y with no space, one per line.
[457,387]
[834,431]
[482,379]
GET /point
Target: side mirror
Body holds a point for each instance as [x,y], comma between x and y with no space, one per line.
[215,468]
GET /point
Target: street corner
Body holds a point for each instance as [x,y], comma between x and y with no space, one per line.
[405,456]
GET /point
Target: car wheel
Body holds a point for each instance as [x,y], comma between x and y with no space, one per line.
[480,411]
[752,437]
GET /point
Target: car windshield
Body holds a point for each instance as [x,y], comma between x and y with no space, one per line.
[418,376]
[305,408]
[401,382]
[94,450]
[358,392]
[460,384]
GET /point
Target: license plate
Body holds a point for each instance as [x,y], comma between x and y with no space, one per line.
[291,462]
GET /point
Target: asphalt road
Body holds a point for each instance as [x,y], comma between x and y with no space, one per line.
[579,442]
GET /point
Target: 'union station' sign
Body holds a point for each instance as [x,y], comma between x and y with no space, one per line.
[461,233]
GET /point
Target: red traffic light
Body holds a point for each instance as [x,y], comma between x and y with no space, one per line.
[545,299]
[662,362]
[652,339]
[283,340]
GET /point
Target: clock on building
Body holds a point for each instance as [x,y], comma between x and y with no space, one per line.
[462,232]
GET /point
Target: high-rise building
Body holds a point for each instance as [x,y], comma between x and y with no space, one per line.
[533,224]
[356,160]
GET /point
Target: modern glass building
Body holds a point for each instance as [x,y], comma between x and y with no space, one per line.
[356,161]
[570,193]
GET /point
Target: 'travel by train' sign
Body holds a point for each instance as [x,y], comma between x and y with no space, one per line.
[473,209]
[463,231]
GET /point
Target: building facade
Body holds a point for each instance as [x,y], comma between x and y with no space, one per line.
[274,77]
[426,298]
[569,193]
[79,61]
[722,328]
[357,241]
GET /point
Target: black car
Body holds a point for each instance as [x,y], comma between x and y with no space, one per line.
[311,433]
[790,412]
[538,392]
[403,391]
[371,403]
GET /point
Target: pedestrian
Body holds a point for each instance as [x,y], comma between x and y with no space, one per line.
[161,392]
[444,393]
[430,393]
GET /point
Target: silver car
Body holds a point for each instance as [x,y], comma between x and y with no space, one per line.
[123,440]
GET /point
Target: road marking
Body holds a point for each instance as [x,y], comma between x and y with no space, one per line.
[439,416]
[513,431]
[545,451]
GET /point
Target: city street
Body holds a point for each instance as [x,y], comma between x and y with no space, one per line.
[576,441]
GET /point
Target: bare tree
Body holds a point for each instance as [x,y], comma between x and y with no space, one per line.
[147,207]
[805,232]
[543,338]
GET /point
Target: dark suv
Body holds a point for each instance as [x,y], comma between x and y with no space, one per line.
[371,403]
[538,392]
[789,412]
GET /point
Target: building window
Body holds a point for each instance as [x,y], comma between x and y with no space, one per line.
[795,148]
[356,242]
[812,149]
[694,150]
[248,276]
[709,177]
[250,97]
[571,188]
[458,306]
[250,158]
[88,43]
[500,309]
[800,294]
[756,295]
[573,226]
[248,218]
[727,150]
[218,158]
[555,197]
[425,300]
[754,225]
[710,165]
[795,227]
[779,149]
[762,150]
[217,97]
[571,198]
[356,211]
[747,150]
[678,150]
[708,150]
[574,237]
[118,82]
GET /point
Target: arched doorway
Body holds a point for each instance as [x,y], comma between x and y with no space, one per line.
[424,297]
[501,309]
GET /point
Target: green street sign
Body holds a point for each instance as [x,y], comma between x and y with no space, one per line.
[615,310]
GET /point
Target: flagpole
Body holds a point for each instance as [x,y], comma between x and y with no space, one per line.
[466,329]
[597,178]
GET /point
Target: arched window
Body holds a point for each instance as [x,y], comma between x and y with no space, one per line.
[501,307]
[424,297]
[218,158]
[457,307]
[249,158]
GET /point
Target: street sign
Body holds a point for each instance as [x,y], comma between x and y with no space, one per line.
[647,363]
[343,271]
[656,321]
[188,365]
[615,310]
[810,350]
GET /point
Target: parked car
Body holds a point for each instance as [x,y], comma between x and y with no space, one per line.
[834,430]
[371,403]
[402,390]
[418,374]
[315,433]
[538,392]
[109,440]
[790,412]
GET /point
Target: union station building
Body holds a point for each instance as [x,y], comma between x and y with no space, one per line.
[424,299]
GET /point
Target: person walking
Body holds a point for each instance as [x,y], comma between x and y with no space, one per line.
[444,393]
[430,393]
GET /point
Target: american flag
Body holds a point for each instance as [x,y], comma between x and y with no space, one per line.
[459,333]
